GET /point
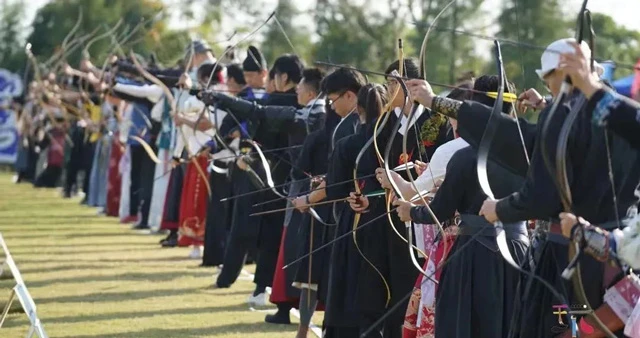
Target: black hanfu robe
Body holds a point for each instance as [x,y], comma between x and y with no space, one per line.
[381,244]
[476,278]
[538,199]
[342,313]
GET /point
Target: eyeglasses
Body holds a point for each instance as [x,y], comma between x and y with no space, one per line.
[337,98]
[391,82]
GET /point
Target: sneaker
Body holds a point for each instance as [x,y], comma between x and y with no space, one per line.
[258,301]
[195,253]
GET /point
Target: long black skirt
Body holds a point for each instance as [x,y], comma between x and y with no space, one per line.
[171,215]
[534,316]
[341,300]
[477,289]
[311,235]
[218,220]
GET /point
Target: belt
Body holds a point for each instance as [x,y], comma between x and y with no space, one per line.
[473,224]
[555,232]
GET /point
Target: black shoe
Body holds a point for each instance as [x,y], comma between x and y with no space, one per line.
[140,226]
[278,318]
[169,243]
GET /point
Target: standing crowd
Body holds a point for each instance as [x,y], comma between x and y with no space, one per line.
[384,205]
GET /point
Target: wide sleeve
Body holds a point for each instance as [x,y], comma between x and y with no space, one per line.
[152,93]
[437,167]
[451,192]
[340,171]
[617,113]
[538,197]
[305,159]
[507,146]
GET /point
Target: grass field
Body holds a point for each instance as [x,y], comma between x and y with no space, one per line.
[93,277]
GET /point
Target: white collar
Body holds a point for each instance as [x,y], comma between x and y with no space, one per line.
[405,124]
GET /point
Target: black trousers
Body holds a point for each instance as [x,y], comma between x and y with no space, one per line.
[71,173]
[87,163]
[49,177]
[142,169]
[234,257]
[243,235]
[218,220]
[269,246]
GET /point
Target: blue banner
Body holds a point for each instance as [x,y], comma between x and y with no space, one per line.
[8,136]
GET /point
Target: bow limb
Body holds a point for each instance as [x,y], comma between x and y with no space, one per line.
[573,270]
[173,104]
[483,156]
[396,189]
[423,74]
[380,122]
[65,41]
[147,148]
[356,220]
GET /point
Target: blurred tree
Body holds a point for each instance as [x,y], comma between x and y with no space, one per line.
[615,42]
[12,55]
[276,42]
[53,22]
[527,22]
[358,34]
[449,55]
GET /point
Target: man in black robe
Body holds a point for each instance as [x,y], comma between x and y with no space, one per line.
[538,198]
[288,70]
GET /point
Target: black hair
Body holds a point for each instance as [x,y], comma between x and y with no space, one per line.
[372,97]
[312,78]
[272,74]
[291,65]
[204,72]
[462,92]
[489,83]
[234,71]
[343,80]
[410,70]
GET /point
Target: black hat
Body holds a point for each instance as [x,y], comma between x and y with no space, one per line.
[198,47]
[254,62]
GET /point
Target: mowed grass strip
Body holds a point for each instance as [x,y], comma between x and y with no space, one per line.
[93,277]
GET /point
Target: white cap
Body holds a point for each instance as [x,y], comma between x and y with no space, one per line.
[551,57]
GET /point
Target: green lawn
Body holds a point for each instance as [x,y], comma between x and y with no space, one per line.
[93,277]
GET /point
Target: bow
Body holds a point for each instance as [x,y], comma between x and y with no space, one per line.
[423,74]
[358,191]
[564,189]
[173,103]
[483,179]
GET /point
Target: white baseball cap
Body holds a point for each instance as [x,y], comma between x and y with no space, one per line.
[551,57]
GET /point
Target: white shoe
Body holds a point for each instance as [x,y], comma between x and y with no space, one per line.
[195,253]
[258,301]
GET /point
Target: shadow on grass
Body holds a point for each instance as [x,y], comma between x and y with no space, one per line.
[146,314]
[98,297]
[198,332]
[61,268]
[142,277]
[35,246]
[53,233]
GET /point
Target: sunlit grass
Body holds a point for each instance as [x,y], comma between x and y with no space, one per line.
[93,277]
